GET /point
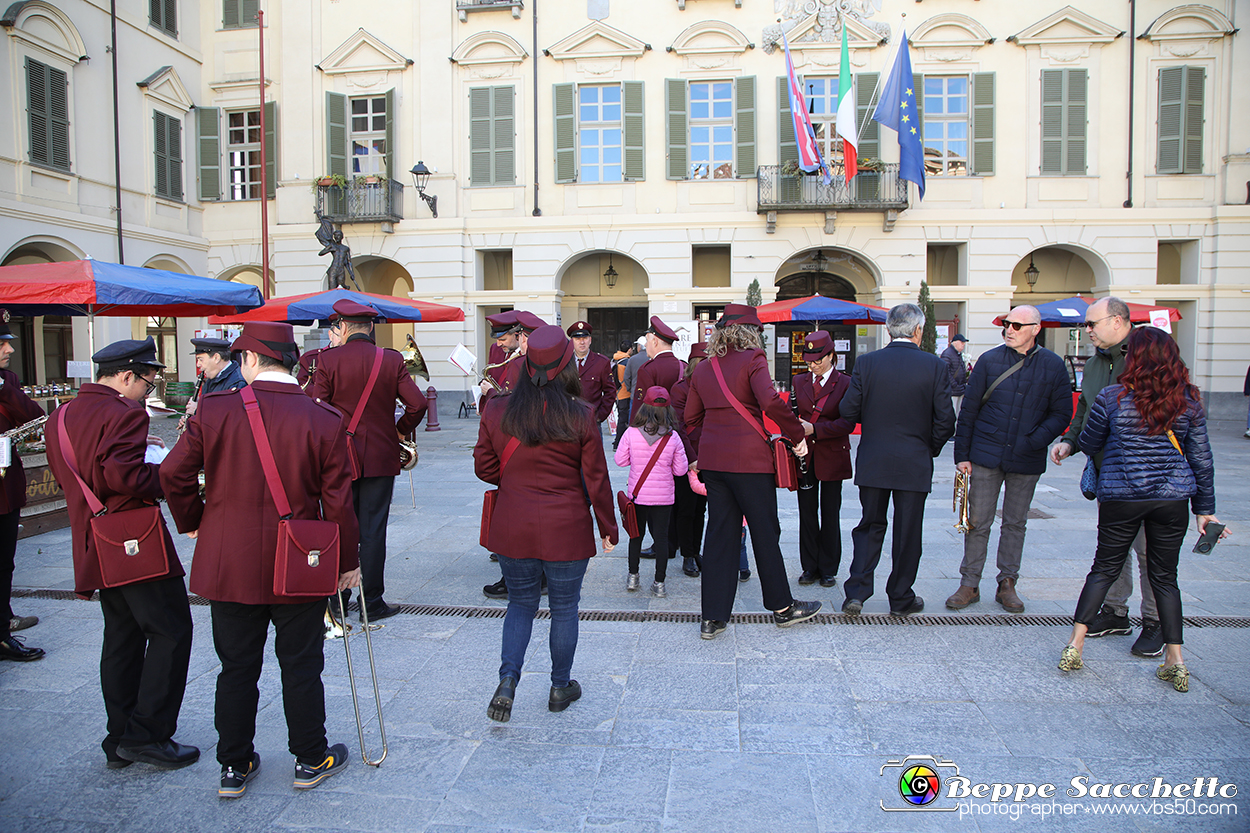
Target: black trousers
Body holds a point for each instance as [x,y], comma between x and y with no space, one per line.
[239,633]
[1166,523]
[143,664]
[622,419]
[869,535]
[371,498]
[731,496]
[688,512]
[655,518]
[8,552]
[820,529]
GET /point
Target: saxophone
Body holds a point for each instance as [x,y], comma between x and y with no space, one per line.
[9,438]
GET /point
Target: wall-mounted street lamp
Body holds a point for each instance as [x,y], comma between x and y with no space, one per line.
[610,275]
[421,178]
[1031,274]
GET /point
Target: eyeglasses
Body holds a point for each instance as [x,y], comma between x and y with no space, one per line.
[151,384]
[1017,325]
[1089,325]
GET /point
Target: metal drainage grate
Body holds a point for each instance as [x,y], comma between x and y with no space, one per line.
[876,619]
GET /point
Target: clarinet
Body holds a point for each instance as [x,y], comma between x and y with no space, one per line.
[807,471]
[195,397]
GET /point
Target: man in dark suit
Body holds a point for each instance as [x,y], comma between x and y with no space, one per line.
[662,367]
[147,624]
[595,371]
[342,379]
[16,408]
[901,397]
[236,532]
[218,372]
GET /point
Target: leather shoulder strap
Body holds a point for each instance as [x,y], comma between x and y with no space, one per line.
[655,456]
[265,450]
[508,450]
[71,460]
[1003,377]
[733,400]
[364,395]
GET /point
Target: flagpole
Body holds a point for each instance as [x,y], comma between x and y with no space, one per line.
[882,77]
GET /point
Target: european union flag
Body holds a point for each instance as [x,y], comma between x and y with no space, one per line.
[896,109]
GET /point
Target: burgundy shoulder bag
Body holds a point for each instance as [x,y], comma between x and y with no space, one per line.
[491,495]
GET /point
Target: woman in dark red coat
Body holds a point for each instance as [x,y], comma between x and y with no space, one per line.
[815,399]
[737,465]
[540,444]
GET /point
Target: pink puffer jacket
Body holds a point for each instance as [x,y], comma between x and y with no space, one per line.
[635,452]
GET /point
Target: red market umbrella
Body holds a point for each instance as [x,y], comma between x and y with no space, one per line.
[818,308]
[1070,312]
[313,306]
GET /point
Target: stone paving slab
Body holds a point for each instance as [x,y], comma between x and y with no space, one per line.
[758,729]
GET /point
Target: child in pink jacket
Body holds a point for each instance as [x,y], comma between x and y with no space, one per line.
[653,499]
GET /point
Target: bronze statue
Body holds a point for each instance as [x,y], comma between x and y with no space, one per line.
[340,268]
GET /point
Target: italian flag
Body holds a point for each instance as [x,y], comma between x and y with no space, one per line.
[846,112]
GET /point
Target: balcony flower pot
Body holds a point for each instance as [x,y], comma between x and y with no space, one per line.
[330,179]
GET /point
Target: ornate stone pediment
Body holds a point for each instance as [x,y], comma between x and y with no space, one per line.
[820,21]
[364,53]
[491,54]
[711,45]
[597,41]
[1067,28]
[1187,30]
[165,86]
[44,26]
[815,46]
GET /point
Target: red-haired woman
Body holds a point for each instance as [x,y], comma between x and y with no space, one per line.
[1152,430]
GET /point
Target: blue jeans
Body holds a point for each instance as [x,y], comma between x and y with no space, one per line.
[564,591]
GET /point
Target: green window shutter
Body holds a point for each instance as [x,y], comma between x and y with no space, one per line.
[787,145]
[173,147]
[1052,121]
[479,136]
[160,138]
[208,150]
[918,89]
[1171,113]
[868,183]
[744,101]
[247,14]
[58,118]
[390,134]
[982,129]
[336,134]
[675,127]
[37,111]
[564,105]
[271,149]
[1076,117]
[1195,87]
[634,131]
[230,14]
[504,132]
[171,17]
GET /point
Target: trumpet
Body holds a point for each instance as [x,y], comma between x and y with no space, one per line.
[963,485]
[377,696]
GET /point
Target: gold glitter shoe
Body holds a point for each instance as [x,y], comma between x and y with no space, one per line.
[1070,659]
[1177,675]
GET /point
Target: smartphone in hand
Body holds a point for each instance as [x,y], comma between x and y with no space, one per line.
[1209,538]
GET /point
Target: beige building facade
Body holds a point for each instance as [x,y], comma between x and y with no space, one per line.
[1099,142]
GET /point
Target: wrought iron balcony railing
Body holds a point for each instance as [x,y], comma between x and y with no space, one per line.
[868,191]
[362,202]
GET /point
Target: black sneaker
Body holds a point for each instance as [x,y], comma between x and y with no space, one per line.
[308,776]
[1150,642]
[711,628]
[795,613]
[1109,623]
[498,590]
[234,779]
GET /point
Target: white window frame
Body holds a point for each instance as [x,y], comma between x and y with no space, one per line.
[372,162]
[602,148]
[238,191]
[711,169]
[943,163]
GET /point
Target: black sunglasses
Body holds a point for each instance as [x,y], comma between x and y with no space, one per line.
[1016,325]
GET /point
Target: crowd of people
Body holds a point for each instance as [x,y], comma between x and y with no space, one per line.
[285,517]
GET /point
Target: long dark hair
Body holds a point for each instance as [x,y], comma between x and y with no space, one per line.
[1158,378]
[651,418]
[552,413]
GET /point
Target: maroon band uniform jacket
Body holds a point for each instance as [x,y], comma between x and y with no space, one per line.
[307,365]
[541,508]
[341,377]
[16,408]
[727,442]
[664,370]
[598,384]
[689,437]
[238,522]
[830,445]
[110,437]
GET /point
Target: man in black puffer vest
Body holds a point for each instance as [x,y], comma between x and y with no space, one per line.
[1017,401]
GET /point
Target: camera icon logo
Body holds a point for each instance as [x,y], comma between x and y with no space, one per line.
[919,783]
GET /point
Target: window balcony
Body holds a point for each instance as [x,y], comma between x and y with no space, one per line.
[463,7]
[361,201]
[868,191]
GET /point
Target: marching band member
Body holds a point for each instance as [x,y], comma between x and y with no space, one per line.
[219,371]
[691,508]
[343,380]
[235,554]
[594,370]
[662,367]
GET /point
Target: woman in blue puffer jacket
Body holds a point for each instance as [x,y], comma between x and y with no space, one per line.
[1152,430]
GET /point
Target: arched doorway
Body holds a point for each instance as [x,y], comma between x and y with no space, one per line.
[608,290]
[834,273]
[44,343]
[1058,272]
[382,276]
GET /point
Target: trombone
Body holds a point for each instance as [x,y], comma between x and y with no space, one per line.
[377,696]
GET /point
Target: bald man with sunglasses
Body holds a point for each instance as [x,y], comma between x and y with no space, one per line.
[1017,401]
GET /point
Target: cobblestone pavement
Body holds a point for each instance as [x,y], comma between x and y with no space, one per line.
[802,729]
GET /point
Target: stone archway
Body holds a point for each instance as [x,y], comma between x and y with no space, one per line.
[617,313]
[1063,271]
[381,276]
[43,344]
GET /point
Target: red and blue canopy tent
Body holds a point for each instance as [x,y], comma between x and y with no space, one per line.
[1070,312]
[820,309]
[314,306]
